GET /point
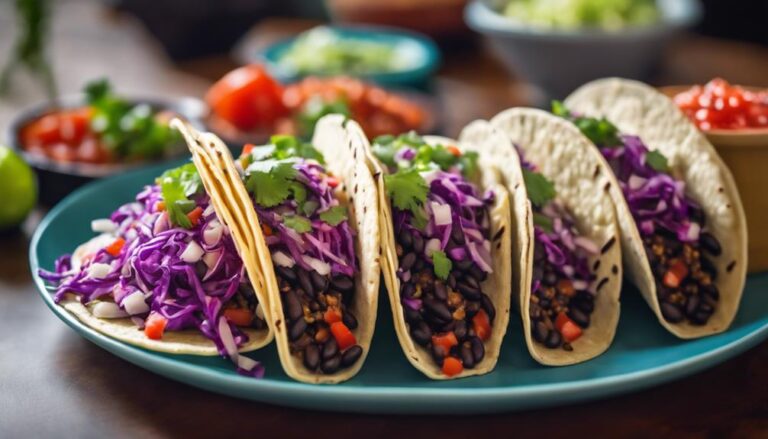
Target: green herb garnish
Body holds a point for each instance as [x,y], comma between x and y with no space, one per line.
[314,109]
[600,131]
[177,185]
[270,181]
[540,189]
[297,223]
[407,189]
[657,161]
[442,264]
[334,216]
[542,221]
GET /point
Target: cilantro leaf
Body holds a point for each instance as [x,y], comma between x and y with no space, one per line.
[420,219]
[270,181]
[176,186]
[657,161]
[334,216]
[542,221]
[468,164]
[442,264]
[188,176]
[599,131]
[407,189]
[297,223]
[540,189]
[558,109]
[309,207]
[299,192]
[314,109]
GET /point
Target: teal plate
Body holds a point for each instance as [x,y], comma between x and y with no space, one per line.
[643,354]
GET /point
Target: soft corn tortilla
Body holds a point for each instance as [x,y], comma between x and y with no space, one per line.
[497,286]
[563,155]
[636,108]
[330,139]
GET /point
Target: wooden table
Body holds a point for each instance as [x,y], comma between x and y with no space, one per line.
[54,383]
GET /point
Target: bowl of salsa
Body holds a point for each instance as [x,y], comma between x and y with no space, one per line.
[96,134]
[248,105]
[735,120]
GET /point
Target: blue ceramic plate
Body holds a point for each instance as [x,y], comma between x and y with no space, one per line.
[643,354]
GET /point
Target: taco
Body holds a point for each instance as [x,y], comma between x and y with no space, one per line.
[682,221]
[315,230]
[571,278]
[445,225]
[165,273]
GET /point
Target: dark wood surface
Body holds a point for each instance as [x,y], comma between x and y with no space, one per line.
[54,383]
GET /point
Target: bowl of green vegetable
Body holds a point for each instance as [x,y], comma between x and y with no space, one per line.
[558,45]
[382,55]
[96,134]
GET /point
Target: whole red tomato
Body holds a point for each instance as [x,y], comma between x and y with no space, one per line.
[248,98]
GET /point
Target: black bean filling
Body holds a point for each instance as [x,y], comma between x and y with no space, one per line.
[244,298]
[684,275]
[448,306]
[306,296]
[555,295]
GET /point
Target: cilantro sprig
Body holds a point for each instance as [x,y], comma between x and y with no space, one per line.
[271,181]
[427,156]
[600,131]
[540,189]
[407,189]
[334,216]
[177,186]
[442,264]
[657,161]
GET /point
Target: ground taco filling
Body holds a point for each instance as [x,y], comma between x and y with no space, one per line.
[168,264]
[671,225]
[562,291]
[443,243]
[312,245]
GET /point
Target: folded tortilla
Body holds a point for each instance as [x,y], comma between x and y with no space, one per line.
[565,157]
[638,109]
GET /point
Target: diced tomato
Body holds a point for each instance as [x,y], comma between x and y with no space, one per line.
[160,206]
[454,150]
[562,318]
[195,214]
[248,98]
[675,274]
[570,331]
[115,247]
[342,334]
[446,341]
[452,366]
[332,315]
[266,229]
[565,286]
[247,149]
[720,105]
[154,326]
[239,316]
[332,181]
[482,325]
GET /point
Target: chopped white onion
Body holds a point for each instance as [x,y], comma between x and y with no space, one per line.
[134,303]
[161,224]
[487,245]
[212,233]
[322,268]
[210,258]
[131,234]
[693,231]
[192,253]
[98,270]
[246,363]
[636,182]
[283,260]
[108,310]
[587,244]
[259,311]
[103,225]
[568,270]
[432,246]
[208,211]
[580,285]
[227,339]
[442,214]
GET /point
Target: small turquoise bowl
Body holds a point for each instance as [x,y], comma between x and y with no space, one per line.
[425,57]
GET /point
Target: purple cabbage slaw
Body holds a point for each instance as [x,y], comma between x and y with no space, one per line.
[565,249]
[654,197]
[189,294]
[326,248]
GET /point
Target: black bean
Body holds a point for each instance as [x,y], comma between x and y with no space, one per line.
[553,339]
[710,244]
[305,282]
[441,292]
[438,354]
[463,265]
[419,265]
[330,348]
[331,365]
[407,262]
[692,305]
[699,318]
[411,315]
[349,319]
[487,305]
[421,333]
[448,327]
[711,291]
[342,283]
[671,312]
[708,267]
[706,307]
[540,331]
[405,239]
[452,281]
[311,356]
[468,291]
[697,216]
[418,243]
[438,309]
[407,289]
[457,234]
[319,281]
[578,317]
[471,281]
[351,355]
[292,306]
[478,273]
[550,278]
[467,359]
[286,273]
[460,329]
[478,350]
[471,308]
[297,329]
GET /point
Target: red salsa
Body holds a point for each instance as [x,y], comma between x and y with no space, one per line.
[720,105]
